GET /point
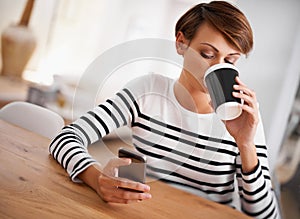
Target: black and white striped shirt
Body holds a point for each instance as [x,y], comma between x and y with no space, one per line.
[183,148]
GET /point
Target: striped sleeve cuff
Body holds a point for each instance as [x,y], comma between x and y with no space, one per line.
[252,175]
[258,199]
[79,167]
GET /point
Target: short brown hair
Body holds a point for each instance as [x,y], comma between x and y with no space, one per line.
[225,17]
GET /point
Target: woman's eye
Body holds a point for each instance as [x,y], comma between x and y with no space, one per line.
[229,61]
[232,59]
[206,55]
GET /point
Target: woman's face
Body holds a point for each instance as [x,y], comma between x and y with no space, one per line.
[207,48]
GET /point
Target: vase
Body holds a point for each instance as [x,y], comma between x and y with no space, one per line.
[18,44]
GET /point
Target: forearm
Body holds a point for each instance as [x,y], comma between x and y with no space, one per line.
[248,157]
[90,176]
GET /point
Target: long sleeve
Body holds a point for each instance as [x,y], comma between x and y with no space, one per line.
[69,147]
[182,148]
[257,197]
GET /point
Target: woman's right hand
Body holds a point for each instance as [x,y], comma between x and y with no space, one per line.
[112,188]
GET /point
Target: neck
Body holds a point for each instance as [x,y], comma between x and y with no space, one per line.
[191,95]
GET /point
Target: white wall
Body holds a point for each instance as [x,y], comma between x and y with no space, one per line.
[273,68]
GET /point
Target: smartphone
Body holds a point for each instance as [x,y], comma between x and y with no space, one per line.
[136,171]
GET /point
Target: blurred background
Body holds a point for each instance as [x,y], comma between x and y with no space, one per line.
[71,34]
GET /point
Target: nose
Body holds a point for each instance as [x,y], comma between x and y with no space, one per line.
[217,61]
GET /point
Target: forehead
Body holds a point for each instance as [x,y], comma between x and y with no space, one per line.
[208,34]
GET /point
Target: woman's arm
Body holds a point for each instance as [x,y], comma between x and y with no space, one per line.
[69,147]
[255,188]
[243,129]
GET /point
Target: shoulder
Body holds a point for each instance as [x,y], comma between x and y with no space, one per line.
[149,83]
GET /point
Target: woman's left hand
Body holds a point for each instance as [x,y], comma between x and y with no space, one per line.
[243,128]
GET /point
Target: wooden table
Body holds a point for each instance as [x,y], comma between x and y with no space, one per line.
[33,185]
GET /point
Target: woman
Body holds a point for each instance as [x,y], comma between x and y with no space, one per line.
[173,124]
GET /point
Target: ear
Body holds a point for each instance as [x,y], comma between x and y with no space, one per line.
[181,43]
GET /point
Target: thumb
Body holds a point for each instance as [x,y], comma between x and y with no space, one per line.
[117,162]
[111,167]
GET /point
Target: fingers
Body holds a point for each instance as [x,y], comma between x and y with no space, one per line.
[246,94]
[249,97]
[118,195]
[111,189]
[123,183]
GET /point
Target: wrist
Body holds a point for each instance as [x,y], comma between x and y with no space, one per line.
[90,176]
[245,144]
[249,157]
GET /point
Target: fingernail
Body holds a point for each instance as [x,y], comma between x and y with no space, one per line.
[148,196]
[147,188]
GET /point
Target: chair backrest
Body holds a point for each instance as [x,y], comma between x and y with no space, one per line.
[32,117]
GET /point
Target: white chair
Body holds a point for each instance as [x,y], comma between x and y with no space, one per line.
[32,117]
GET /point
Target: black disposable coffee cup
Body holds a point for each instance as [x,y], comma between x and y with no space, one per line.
[219,80]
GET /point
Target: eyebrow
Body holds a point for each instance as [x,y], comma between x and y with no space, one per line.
[214,48]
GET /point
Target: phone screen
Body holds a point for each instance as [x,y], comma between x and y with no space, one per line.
[136,171]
